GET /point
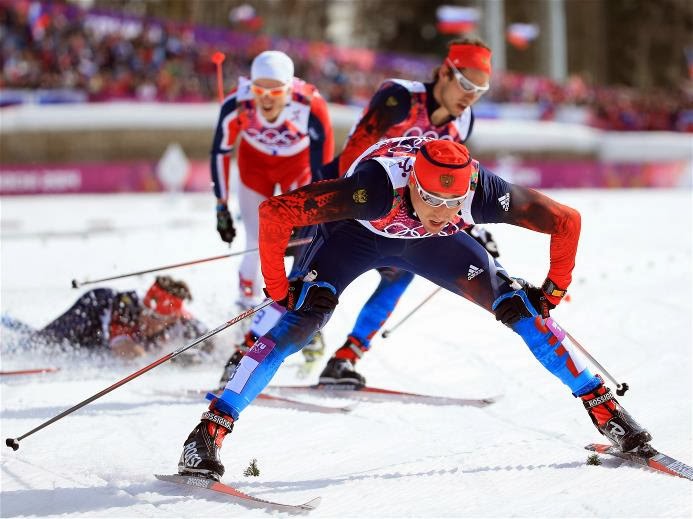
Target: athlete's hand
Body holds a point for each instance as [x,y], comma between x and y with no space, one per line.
[310,295]
[225,224]
[538,298]
[513,309]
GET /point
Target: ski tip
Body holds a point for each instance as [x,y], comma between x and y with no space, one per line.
[597,447]
[491,399]
[311,505]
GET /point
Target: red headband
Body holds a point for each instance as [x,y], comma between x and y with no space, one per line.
[444,166]
[163,302]
[470,56]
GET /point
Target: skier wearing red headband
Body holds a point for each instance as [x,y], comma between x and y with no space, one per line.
[404,203]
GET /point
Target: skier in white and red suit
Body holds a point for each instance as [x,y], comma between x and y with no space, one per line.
[404,203]
[285,137]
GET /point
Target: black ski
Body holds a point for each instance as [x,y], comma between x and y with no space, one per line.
[648,457]
[236,495]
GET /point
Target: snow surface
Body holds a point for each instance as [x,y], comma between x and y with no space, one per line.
[522,457]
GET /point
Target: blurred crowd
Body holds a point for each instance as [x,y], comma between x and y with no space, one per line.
[116,58]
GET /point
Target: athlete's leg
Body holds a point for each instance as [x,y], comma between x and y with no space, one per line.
[339,254]
[393,283]
[82,324]
[341,369]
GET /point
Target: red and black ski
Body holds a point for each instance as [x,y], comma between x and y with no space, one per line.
[236,495]
[375,394]
[648,457]
[267,400]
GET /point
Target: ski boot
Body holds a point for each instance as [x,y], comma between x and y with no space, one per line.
[613,421]
[200,455]
[341,368]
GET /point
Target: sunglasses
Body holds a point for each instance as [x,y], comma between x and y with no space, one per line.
[434,200]
[465,84]
[272,92]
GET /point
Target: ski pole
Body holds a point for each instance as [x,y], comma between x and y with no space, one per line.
[621,387]
[36,371]
[14,442]
[77,284]
[218,58]
[386,333]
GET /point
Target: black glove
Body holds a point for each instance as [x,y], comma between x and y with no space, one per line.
[225,224]
[513,309]
[483,237]
[310,295]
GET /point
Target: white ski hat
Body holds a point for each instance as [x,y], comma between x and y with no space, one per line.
[272,64]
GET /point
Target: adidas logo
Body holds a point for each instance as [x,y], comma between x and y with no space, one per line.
[473,272]
[505,201]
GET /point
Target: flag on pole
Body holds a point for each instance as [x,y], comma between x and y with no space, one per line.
[457,20]
[245,16]
[520,35]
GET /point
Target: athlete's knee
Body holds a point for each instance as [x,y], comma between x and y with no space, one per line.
[395,275]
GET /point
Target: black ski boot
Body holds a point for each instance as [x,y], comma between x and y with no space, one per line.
[341,368]
[613,421]
[200,455]
[341,371]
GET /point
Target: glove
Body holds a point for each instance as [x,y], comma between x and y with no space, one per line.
[513,309]
[484,238]
[310,295]
[538,299]
[225,224]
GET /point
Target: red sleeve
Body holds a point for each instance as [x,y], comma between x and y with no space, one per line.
[536,211]
[319,202]
[309,205]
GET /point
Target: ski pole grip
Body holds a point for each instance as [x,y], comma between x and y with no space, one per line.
[13,443]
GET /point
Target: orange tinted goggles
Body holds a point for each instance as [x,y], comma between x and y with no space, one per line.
[272,92]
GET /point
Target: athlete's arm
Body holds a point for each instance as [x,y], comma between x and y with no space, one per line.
[498,201]
[388,106]
[366,195]
[320,134]
[228,127]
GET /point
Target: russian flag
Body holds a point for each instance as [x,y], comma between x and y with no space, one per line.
[456,20]
[246,16]
[520,35]
[38,20]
